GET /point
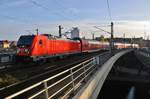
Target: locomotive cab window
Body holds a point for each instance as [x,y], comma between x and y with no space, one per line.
[40,42]
[25,40]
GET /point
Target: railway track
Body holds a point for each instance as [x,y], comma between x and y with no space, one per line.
[8,67]
[45,71]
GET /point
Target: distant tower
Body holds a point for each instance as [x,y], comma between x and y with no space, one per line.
[75,32]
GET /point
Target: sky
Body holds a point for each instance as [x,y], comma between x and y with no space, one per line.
[20,17]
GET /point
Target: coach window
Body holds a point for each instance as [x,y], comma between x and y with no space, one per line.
[40,42]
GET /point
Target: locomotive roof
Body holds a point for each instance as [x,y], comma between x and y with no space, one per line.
[58,38]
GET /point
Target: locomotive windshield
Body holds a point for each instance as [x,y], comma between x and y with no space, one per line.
[25,40]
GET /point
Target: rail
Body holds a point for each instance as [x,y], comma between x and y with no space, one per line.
[65,84]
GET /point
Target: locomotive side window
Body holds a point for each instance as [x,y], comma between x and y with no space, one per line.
[40,42]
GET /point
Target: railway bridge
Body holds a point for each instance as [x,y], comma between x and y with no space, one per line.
[82,81]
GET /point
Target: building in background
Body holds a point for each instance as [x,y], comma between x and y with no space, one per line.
[4,44]
[75,32]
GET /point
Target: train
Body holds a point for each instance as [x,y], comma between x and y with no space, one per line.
[125,45]
[38,47]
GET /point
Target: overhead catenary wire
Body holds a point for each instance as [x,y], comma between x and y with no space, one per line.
[109,10]
[48,9]
[54,13]
[101,29]
[38,4]
[62,7]
[16,19]
[110,18]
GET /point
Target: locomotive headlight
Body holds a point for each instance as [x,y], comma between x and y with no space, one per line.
[26,50]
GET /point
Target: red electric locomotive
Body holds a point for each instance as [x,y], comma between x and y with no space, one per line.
[37,47]
[43,46]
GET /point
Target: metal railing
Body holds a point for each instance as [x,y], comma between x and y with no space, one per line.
[65,84]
